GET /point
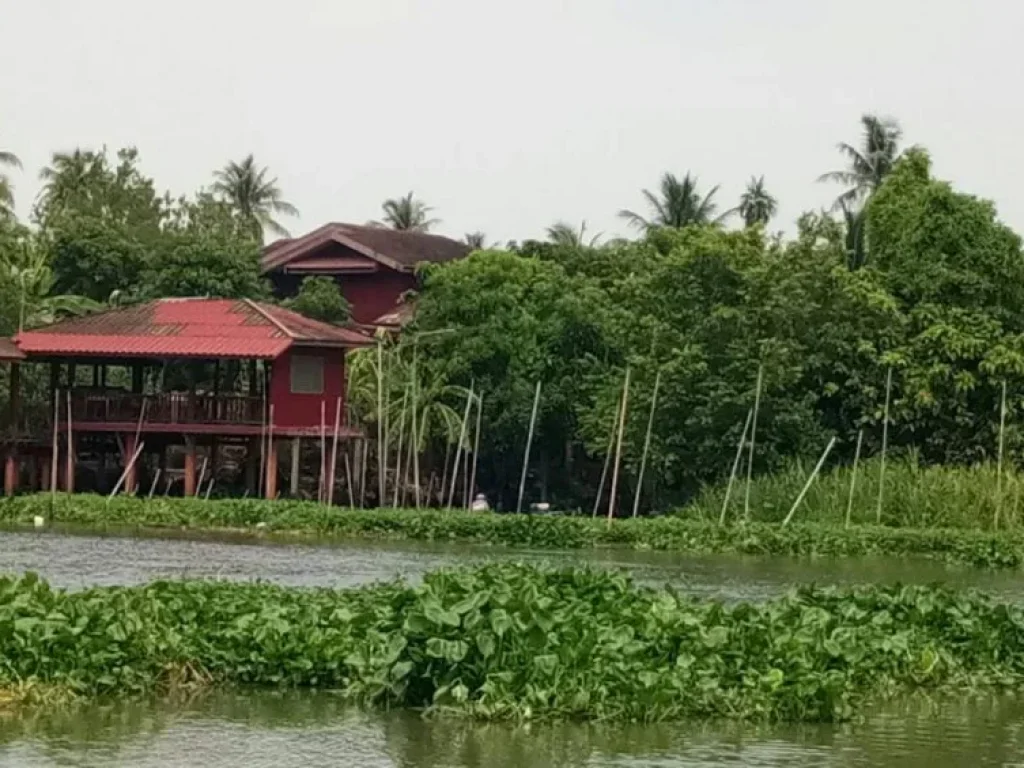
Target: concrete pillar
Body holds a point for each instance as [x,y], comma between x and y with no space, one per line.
[272,469]
[190,466]
[296,469]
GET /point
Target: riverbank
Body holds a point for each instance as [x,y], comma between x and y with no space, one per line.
[1003,549]
[513,642]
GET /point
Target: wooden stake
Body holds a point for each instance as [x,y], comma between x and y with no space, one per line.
[753,440]
[999,461]
[526,454]
[647,444]
[735,466]
[380,424]
[476,446]
[885,445]
[334,457]
[458,448]
[853,477]
[807,485]
[618,449]
[127,469]
[152,486]
[607,456]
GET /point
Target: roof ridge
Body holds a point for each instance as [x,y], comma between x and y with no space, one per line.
[270,318]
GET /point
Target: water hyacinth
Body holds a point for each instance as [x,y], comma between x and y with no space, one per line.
[515,642]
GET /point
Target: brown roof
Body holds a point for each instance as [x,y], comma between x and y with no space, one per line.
[8,350]
[206,328]
[396,249]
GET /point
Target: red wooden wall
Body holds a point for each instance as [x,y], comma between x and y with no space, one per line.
[303,411]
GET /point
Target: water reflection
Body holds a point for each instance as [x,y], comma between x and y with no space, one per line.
[305,729]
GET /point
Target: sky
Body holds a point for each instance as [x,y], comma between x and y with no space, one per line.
[507,116]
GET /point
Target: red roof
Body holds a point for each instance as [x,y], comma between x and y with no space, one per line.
[399,250]
[8,351]
[205,328]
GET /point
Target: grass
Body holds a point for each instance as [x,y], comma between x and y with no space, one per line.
[1004,549]
[515,642]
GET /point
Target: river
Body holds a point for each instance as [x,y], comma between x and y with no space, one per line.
[260,728]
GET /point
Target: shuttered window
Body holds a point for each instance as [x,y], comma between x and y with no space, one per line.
[307,375]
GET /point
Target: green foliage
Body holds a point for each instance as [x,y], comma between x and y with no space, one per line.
[407,214]
[688,533]
[7,160]
[321,299]
[508,642]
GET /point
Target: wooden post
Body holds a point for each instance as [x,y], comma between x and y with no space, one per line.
[348,480]
[156,479]
[10,474]
[885,446]
[129,468]
[618,449]
[381,453]
[735,467]
[753,438]
[853,476]
[293,476]
[647,444]
[322,493]
[398,458]
[55,450]
[607,456]
[334,461]
[130,444]
[416,433]
[526,454]
[810,480]
[69,479]
[271,466]
[190,466]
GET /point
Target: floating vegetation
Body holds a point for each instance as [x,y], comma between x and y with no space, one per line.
[515,642]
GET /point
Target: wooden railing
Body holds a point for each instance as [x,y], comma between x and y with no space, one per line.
[166,408]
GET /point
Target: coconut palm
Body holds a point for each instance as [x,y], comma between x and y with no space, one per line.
[67,175]
[565,234]
[255,196]
[7,160]
[869,163]
[756,206]
[678,205]
[407,214]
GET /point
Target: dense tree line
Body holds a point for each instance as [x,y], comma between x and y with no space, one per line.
[902,272]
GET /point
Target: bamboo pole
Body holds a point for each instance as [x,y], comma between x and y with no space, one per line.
[348,480]
[334,457]
[364,459]
[607,457]
[853,476]
[383,457]
[270,444]
[810,480]
[476,446]
[647,444]
[209,488]
[444,470]
[127,469]
[465,473]
[202,474]
[618,449]
[152,486]
[380,424]
[263,443]
[398,458]
[458,448]
[735,466]
[321,496]
[753,440]
[526,454]
[415,433]
[999,461]
[54,456]
[69,479]
[885,446]
[142,418]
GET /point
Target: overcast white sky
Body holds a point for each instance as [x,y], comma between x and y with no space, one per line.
[506,116]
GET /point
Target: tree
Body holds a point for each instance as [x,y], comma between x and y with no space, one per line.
[869,164]
[320,299]
[475,240]
[563,233]
[255,196]
[407,214]
[7,160]
[756,206]
[679,204]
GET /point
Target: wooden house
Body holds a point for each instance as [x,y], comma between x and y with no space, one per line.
[177,374]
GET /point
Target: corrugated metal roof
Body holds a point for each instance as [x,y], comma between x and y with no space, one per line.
[207,328]
[8,351]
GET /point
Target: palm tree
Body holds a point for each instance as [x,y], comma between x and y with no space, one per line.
[564,234]
[756,206]
[869,164]
[7,160]
[407,214]
[475,240]
[679,205]
[254,196]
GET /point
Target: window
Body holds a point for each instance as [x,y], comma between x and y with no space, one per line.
[307,375]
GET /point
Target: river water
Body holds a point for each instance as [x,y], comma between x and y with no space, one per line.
[259,728]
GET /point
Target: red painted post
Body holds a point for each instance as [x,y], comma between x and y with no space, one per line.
[130,478]
[190,466]
[10,474]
